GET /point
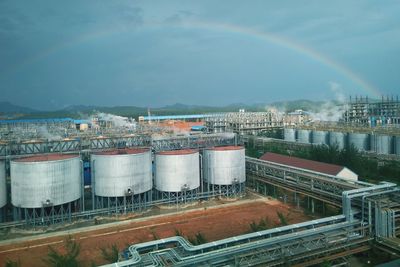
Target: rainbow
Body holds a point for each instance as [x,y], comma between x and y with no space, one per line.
[223,27]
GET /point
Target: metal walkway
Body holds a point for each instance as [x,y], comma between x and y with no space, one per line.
[370,216]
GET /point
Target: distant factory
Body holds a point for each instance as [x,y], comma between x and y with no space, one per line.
[362,111]
[243,122]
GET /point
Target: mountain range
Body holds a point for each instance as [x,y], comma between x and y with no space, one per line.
[9,110]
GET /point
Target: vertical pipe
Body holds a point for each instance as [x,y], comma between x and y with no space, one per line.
[93,182]
[83,188]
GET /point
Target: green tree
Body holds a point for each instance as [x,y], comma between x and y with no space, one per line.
[198,239]
[110,254]
[282,218]
[11,263]
[67,259]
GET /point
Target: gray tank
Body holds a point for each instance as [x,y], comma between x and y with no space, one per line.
[289,134]
[397,145]
[43,180]
[304,136]
[337,138]
[381,144]
[224,165]
[3,193]
[320,137]
[121,172]
[177,170]
[359,140]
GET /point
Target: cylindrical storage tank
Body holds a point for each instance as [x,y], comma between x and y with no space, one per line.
[42,180]
[397,145]
[3,192]
[337,138]
[320,137]
[177,170]
[289,134]
[359,140]
[304,136]
[121,172]
[381,144]
[224,165]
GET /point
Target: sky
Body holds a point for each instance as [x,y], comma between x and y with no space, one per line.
[154,53]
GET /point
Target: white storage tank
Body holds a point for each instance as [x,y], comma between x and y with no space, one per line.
[359,140]
[304,136]
[45,180]
[3,192]
[320,137]
[381,144]
[289,134]
[122,171]
[337,138]
[224,165]
[177,170]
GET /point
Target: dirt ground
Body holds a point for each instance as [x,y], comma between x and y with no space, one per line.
[214,223]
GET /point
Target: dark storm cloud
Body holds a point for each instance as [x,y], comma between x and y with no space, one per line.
[141,53]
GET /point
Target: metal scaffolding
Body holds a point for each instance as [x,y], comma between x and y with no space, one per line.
[243,122]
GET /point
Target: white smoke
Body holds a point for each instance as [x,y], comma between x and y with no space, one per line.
[43,132]
[331,110]
[117,121]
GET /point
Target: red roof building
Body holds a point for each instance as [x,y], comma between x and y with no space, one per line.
[311,165]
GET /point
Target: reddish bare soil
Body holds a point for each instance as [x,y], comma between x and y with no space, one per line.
[180,125]
[213,223]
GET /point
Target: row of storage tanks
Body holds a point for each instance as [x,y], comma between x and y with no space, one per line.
[379,143]
[57,179]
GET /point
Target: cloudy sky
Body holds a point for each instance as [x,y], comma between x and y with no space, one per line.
[154,53]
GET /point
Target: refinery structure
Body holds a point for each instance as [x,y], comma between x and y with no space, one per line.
[57,171]
[362,111]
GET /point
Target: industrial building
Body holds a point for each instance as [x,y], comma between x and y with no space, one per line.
[311,165]
[243,122]
[362,111]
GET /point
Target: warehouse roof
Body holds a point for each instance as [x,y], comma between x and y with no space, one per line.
[311,165]
[51,120]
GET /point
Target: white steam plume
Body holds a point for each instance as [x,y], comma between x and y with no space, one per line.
[118,121]
[331,111]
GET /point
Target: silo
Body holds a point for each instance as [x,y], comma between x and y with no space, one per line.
[381,144]
[3,192]
[320,137]
[122,179]
[337,138]
[224,169]
[359,141]
[177,175]
[45,189]
[304,136]
[289,134]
